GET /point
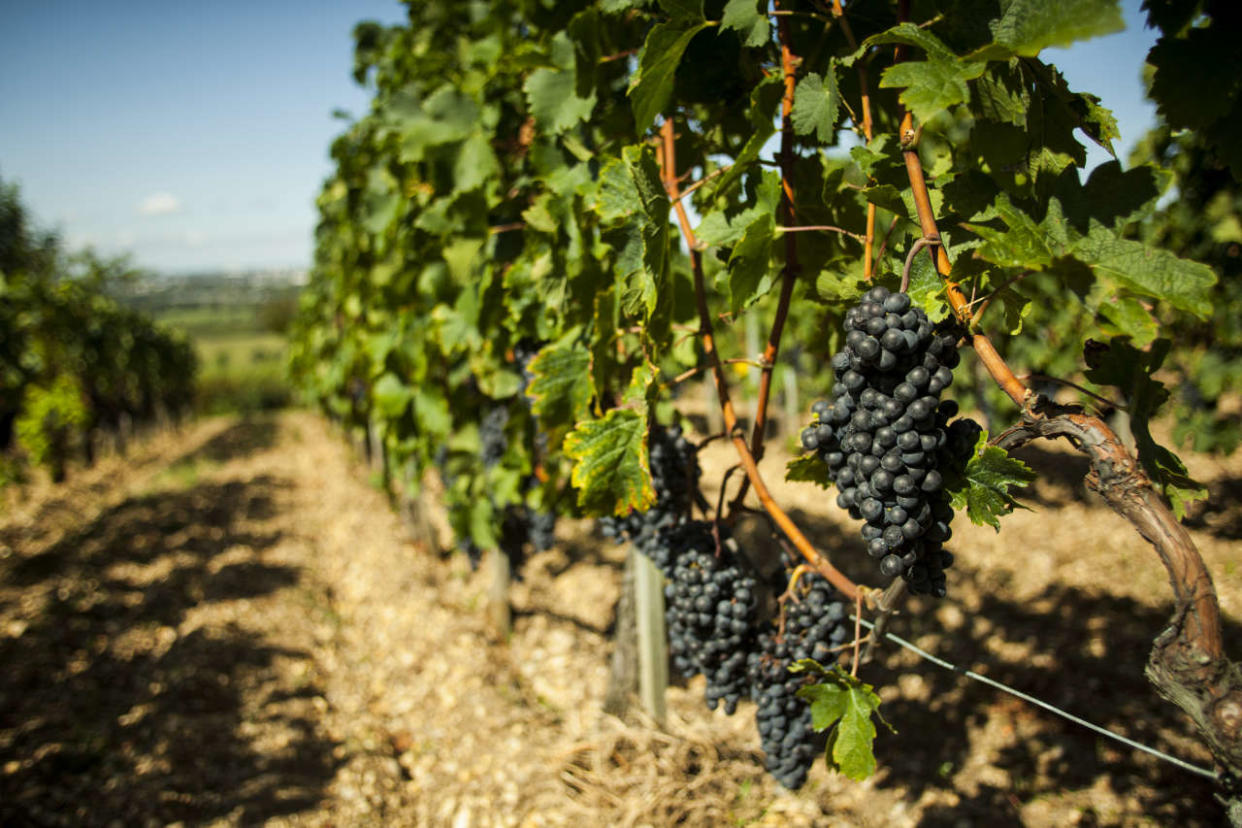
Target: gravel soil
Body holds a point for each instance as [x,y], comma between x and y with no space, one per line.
[231,626]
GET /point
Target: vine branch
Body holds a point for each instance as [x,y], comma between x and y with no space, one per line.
[789,276]
[834,576]
[1187,664]
[988,355]
[867,128]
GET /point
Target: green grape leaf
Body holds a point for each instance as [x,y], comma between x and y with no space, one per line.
[817,101]
[1113,197]
[618,6]
[381,203]
[631,189]
[392,396]
[1027,27]
[475,165]
[554,101]
[1188,72]
[765,97]
[1125,367]
[538,217]
[652,85]
[432,411]
[846,705]
[1001,96]
[750,266]
[561,389]
[809,468]
[1147,271]
[886,197]
[719,227]
[931,86]
[610,462]
[444,116]
[841,286]
[982,488]
[618,197]
[691,10]
[911,35]
[1131,319]
[606,317]
[1023,244]
[552,93]
[744,17]
[1098,122]
[482,523]
[927,288]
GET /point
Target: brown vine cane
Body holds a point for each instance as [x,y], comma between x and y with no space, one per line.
[668,162]
[1187,665]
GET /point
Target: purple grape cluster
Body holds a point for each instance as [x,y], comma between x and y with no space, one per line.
[814,625]
[711,599]
[885,435]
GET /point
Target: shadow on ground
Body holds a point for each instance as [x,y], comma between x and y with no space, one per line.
[1081,651]
[241,439]
[109,713]
[1221,512]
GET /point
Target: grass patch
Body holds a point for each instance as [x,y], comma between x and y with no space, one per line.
[245,390]
[241,369]
[231,352]
[205,321]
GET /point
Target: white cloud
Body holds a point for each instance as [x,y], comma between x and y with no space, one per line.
[159,204]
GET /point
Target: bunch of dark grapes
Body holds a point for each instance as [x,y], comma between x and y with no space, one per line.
[674,467]
[493,442]
[514,533]
[541,528]
[883,435]
[813,626]
[710,605]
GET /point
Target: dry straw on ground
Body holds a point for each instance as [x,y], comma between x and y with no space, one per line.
[231,627]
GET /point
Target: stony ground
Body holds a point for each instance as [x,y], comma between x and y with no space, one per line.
[231,627]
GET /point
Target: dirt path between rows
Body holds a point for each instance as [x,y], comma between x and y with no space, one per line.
[232,627]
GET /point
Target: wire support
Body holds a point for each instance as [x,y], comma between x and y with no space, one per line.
[971,674]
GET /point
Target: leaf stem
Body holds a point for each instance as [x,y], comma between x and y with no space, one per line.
[820,228]
[987,300]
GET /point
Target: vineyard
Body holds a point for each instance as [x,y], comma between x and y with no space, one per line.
[76,368]
[749,385]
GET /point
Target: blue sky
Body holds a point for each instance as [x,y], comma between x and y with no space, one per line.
[195,135]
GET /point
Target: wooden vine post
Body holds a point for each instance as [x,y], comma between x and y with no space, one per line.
[651,634]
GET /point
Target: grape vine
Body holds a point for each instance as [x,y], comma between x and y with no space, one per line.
[508,269]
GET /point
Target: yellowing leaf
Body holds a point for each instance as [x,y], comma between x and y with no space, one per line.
[610,463]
